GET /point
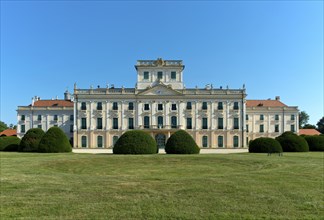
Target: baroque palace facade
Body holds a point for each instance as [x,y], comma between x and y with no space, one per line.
[160,105]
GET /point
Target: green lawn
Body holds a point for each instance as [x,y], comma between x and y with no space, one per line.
[234,186]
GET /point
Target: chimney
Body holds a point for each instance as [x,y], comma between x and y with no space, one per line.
[278,98]
[33,101]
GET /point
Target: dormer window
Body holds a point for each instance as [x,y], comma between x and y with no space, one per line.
[173,75]
[160,75]
[146,75]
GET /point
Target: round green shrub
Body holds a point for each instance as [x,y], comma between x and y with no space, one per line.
[291,142]
[54,141]
[315,142]
[30,141]
[265,145]
[9,143]
[135,142]
[181,142]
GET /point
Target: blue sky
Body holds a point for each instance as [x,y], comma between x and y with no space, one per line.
[273,47]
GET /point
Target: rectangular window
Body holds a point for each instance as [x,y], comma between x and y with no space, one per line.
[261,128]
[236,106]
[83,106]
[115,123]
[99,123]
[22,129]
[55,117]
[39,126]
[99,141]
[71,118]
[71,128]
[130,106]
[205,141]
[204,106]
[220,141]
[204,123]
[146,122]
[84,141]
[276,128]
[174,107]
[115,106]
[173,75]
[160,107]
[189,123]
[247,117]
[146,107]
[276,117]
[39,117]
[146,75]
[236,141]
[236,123]
[174,122]
[292,128]
[189,107]
[261,117]
[99,106]
[220,106]
[247,128]
[22,117]
[83,123]
[220,123]
[292,117]
[160,75]
[130,123]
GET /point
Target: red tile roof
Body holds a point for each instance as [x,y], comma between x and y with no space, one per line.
[53,103]
[264,103]
[9,132]
[309,132]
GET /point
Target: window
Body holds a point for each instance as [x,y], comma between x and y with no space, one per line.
[276,117]
[236,123]
[204,123]
[247,128]
[115,139]
[84,141]
[204,106]
[55,125]
[189,123]
[204,141]
[39,126]
[83,106]
[130,106]
[174,122]
[261,128]
[146,122]
[247,117]
[173,75]
[83,123]
[220,141]
[115,106]
[160,107]
[146,107]
[276,128]
[22,117]
[130,123]
[99,106]
[99,123]
[189,107]
[261,117]
[236,106]
[160,75]
[146,75]
[247,141]
[55,117]
[236,141]
[22,129]
[174,107]
[220,123]
[292,117]
[39,117]
[99,141]
[71,118]
[71,128]
[115,123]
[220,106]
[160,122]
[292,128]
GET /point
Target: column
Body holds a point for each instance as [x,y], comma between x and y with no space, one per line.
[122,115]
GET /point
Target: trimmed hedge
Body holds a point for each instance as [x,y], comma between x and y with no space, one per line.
[135,142]
[291,142]
[315,142]
[181,142]
[10,143]
[30,141]
[54,141]
[265,145]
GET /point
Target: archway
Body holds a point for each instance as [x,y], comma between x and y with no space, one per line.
[160,140]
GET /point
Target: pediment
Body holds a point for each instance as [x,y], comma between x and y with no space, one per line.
[160,89]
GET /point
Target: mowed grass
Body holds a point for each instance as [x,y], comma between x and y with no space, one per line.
[233,186]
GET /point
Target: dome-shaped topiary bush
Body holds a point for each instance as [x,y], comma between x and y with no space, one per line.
[291,142]
[315,142]
[54,141]
[30,141]
[265,145]
[135,142]
[10,143]
[181,143]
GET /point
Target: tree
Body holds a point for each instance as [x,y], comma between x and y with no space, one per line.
[181,142]
[303,119]
[309,126]
[54,141]
[320,125]
[30,141]
[3,126]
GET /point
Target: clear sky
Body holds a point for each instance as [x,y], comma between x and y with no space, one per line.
[275,48]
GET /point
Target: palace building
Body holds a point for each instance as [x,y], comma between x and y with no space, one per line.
[160,104]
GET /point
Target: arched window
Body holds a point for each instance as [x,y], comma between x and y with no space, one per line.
[115,138]
[174,122]
[236,141]
[99,141]
[84,141]
[160,121]
[205,141]
[146,122]
[220,141]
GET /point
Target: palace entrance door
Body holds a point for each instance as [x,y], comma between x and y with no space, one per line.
[160,140]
